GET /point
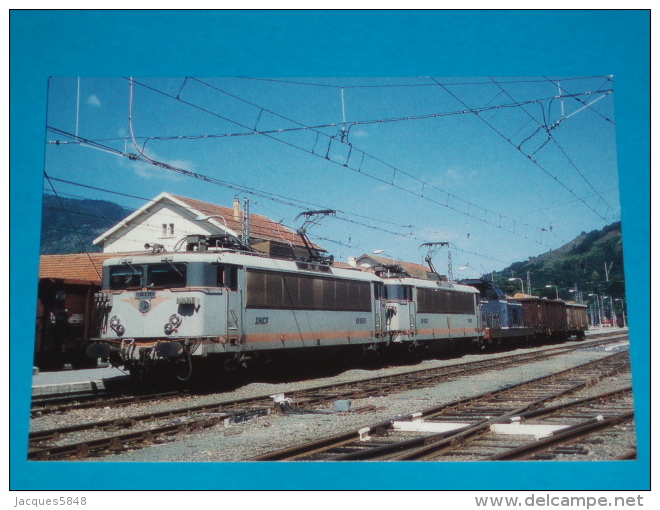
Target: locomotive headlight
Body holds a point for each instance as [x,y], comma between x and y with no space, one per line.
[173,323]
[116,325]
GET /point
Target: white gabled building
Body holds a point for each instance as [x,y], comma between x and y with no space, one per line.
[168,219]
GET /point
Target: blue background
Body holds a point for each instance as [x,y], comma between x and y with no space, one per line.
[325,43]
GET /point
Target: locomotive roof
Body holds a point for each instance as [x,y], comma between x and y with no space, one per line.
[430,284]
[246,260]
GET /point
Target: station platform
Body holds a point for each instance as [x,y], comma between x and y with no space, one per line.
[77,381]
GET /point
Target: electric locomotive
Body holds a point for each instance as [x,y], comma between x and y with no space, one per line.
[175,307]
[429,314]
[228,307]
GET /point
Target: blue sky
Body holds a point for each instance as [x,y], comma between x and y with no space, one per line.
[492,183]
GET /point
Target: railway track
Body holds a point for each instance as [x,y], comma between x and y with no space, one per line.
[42,406]
[47,444]
[95,400]
[448,430]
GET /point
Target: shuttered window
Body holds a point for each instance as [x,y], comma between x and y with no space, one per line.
[444,301]
[267,289]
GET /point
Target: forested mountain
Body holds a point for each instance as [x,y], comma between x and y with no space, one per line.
[64,220]
[593,261]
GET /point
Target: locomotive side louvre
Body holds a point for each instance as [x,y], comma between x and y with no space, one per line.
[284,309]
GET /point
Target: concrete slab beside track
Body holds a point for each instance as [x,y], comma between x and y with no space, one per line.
[68,382]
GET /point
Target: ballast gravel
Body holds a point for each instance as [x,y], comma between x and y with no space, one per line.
[241,442]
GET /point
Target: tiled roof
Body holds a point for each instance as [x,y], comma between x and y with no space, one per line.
[260,226]
[75,266]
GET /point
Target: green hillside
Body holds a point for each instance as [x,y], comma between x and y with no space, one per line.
[593,261]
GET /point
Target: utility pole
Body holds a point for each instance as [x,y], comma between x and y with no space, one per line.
[529,283]
[599,308]
[612,312]
[623,310]
[245,238]
[450,274]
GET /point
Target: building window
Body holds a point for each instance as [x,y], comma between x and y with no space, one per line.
[171,228]
[164,229]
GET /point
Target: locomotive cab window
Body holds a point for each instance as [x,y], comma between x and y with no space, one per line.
[398,292]
[166,275]
[125,277]
[227,276]
[378,291]
[489,294]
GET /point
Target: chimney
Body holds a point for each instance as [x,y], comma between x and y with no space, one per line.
[237,209]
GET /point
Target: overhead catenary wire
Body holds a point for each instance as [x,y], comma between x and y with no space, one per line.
[516,223]
[554,140]
[380,229]
[197,175]
[536,163]
[183,86]
[444,203]
[302,127]
[253,191]
[243,189]
[396,170]
[157,165]
[607,80]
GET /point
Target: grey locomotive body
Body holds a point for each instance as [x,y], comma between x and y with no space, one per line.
[233,308]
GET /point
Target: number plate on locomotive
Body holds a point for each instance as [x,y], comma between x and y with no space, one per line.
[145,295]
